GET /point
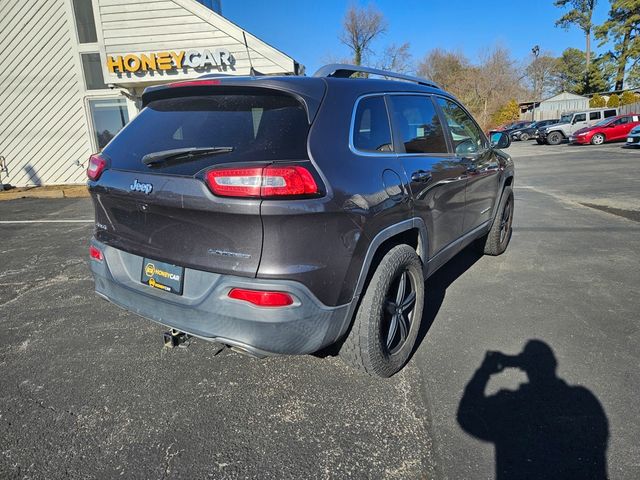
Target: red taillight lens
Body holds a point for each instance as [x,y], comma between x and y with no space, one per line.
[95,254]
[235,182]
[267,182]
[285,181]
[96,166]
[262,298]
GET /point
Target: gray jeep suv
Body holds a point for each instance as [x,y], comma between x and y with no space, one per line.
[280,215]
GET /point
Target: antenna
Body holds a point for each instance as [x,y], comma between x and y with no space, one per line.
[246,45]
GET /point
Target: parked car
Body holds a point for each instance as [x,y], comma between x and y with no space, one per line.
[511,126]
[279,215]
[531,131]
[609,130]
[633,139]
[504,126]
[572,122]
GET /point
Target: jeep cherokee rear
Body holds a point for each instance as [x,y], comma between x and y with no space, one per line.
[280,215]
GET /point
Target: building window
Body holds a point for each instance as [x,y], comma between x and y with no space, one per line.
[108,117]
[85,24]
[92,71]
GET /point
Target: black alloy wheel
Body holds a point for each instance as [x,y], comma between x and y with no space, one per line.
[398,312]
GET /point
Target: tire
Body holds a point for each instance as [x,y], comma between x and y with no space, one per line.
[554,138]
[371,345]
[497,240]
[539,141]
[598,139]
[524,137]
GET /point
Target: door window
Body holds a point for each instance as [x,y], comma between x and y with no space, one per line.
[415,117]
[371,130]
[580,117]
[467,136]
[108,117]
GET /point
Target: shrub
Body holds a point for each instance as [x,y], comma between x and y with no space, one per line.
[597,101]
[628,98]
[614,101]
[507,113]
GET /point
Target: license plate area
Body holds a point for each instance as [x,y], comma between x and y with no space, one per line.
[162,276]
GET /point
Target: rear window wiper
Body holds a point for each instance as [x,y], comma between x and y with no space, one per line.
[182,154]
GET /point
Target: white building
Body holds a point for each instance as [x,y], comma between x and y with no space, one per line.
[73,71]
[553,107]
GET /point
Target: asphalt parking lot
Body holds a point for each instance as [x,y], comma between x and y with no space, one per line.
[88,391]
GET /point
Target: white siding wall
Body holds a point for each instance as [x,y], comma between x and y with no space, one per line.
[43,129]
[145,26]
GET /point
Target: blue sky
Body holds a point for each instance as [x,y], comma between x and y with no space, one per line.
[308,30]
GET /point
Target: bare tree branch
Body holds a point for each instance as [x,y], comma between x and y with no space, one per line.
[361,27]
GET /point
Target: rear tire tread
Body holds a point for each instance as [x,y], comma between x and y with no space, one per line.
[362,347]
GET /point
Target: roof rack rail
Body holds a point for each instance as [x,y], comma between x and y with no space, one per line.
[342,70]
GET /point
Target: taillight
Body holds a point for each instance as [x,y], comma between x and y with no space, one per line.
[95,254]
[262,298]
[96,166]
[267,182]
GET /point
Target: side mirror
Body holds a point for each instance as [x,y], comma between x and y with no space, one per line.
[500,140]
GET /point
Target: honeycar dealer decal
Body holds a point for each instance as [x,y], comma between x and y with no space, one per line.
[220,58]
[151,270]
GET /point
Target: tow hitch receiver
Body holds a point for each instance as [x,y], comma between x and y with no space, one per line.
[174,337]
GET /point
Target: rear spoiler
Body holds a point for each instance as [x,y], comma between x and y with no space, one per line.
[309,91]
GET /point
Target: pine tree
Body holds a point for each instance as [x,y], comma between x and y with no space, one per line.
[622,29]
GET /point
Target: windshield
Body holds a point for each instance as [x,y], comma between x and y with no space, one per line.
[252,127]
[604,122]
[566,118]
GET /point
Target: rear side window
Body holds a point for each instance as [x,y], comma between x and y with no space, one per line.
[594,116]
[258,127]
[609,113]
[420,129]
[371,131]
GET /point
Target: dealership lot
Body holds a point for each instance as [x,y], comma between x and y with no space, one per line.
[88,391]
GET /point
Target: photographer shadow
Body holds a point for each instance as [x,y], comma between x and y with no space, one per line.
[546,429]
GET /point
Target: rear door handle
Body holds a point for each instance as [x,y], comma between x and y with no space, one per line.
[421,176]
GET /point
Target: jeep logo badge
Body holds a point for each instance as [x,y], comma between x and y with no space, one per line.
[136,186]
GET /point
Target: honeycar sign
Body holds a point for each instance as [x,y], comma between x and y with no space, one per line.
[219,58]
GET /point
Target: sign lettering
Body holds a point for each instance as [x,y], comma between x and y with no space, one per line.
[151,62]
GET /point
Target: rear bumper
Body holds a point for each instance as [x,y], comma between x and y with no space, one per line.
[204,309]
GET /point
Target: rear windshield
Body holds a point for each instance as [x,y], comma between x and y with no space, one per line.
[257,127]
